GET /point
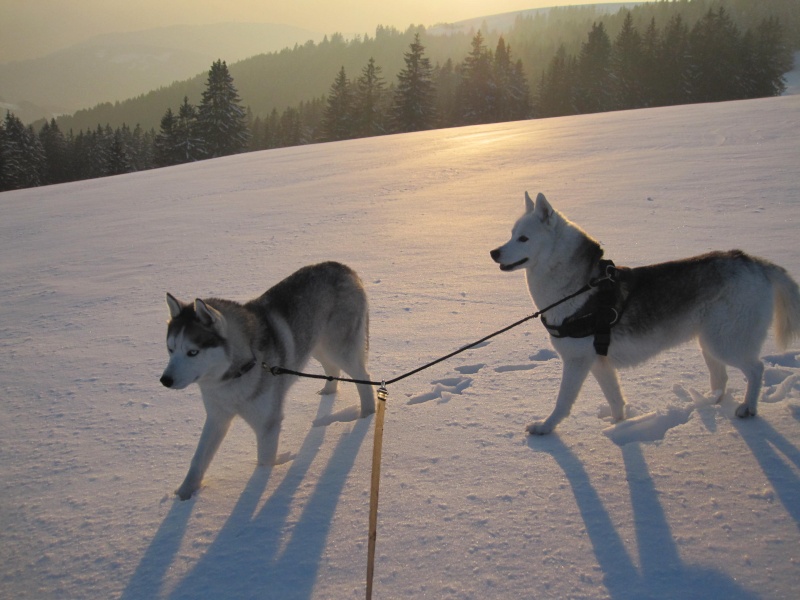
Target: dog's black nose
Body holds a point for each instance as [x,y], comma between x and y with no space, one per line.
[495,254]
[167,381]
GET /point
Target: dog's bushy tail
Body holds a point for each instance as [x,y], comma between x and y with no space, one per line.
[787,306]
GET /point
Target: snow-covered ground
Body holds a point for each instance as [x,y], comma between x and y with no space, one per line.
[684,500]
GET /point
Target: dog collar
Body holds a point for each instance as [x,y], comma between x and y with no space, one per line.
[231,374]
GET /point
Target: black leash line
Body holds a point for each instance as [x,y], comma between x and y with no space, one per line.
[282,371]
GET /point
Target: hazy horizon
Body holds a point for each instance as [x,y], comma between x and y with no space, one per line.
[35,29]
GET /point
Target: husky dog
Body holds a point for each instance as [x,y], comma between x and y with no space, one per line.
[725,299]
[319,311]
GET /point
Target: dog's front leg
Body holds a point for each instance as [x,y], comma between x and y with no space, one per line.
[267,440]
[606,375]
[214,430]
[573,375]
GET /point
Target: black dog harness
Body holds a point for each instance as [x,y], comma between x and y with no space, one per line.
[600,312]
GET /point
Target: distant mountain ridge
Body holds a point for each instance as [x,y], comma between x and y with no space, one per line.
[504,21]
[115,67]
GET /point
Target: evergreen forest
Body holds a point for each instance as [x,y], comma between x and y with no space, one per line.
[563,62]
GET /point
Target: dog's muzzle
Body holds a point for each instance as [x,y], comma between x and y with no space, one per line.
[496,254]
[513,266]
[167,381]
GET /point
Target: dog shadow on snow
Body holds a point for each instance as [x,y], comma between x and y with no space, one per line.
[661,573]
[252,555]
[778,458]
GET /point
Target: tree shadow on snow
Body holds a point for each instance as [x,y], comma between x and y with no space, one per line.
[253,556]
[661,574]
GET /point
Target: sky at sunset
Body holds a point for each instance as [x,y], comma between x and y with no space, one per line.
[32,28]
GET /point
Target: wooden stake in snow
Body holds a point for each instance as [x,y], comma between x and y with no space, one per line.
[377,447]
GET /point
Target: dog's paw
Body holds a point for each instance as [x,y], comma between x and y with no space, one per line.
[539,428]
[185,492]
[743,411]
[281,459]
[619,415]
[328,389]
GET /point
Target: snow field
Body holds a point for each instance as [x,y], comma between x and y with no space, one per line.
[681,500]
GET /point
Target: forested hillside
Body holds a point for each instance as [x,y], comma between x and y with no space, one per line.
[653,55]
[284,79]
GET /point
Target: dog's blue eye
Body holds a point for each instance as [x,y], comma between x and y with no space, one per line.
[522,238]
[192,353]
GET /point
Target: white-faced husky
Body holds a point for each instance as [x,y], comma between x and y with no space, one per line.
[320,311]
[725,299]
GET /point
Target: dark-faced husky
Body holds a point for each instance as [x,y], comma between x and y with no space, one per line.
[726,300]
[320,311]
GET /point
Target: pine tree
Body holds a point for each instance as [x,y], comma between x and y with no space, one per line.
[78,156]
[55,149]
[221,119]
[272,130]
[187,141]
[369,104]
[415,96]
[257,135]
[4,185]
[594,73]
[23,159]
[310,114]
[338,121]
[556,90]
[766,58]
[512,91]
[627,67]
[165,141]
[290,130]
[502,71]
[118,157]
[673,58]
[478,94]
[98,151]
[715,73]
[649,64]
[142,148]
[447,79]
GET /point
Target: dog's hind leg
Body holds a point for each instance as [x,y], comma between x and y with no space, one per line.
[367,395]
[754,372]
[717,355]
[606,375]
[331,370]
[358,370]
[738,346]
[718,372]
[351,357]
[573,375]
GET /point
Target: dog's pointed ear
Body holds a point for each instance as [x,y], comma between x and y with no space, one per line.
[175,305]
[209,316]
[529,206]
[543,210]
